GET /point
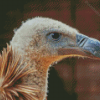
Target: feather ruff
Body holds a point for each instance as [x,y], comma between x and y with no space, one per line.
[11,75]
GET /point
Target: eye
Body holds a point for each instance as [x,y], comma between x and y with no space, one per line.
[55,36]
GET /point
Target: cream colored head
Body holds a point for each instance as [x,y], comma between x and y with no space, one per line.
[37,34]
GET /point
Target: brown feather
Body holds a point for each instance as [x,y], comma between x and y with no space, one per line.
[12,71]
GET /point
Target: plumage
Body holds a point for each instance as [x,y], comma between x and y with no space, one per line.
[42,42]
[11,73]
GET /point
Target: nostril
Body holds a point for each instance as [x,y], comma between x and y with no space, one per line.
[81,40]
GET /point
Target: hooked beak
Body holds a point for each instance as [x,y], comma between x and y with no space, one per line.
[85,46]
[88,44]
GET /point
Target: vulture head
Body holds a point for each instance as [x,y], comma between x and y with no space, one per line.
[48,37]
[44,41]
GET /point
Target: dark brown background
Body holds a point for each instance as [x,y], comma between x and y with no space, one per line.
[82,80]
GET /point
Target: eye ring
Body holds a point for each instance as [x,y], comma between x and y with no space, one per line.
[55,36]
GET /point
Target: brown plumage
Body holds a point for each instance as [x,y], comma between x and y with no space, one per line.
[11,74]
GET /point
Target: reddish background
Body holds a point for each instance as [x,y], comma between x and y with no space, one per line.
[82,77]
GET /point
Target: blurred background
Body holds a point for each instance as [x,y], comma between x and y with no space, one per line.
[71,79]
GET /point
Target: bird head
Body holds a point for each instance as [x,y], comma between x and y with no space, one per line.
[51,40]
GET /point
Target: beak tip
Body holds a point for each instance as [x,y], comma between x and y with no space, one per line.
[89,44]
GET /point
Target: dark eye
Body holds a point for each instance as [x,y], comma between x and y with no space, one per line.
[55,36]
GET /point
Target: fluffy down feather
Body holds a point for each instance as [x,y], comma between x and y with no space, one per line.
[11,74]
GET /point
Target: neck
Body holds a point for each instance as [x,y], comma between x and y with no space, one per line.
[39,78]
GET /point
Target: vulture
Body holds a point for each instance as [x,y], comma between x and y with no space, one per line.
[36,45]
